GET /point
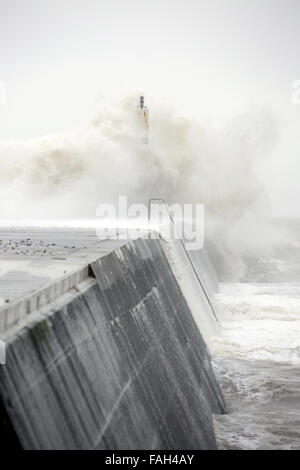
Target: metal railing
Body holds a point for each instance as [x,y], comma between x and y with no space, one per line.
[162,201]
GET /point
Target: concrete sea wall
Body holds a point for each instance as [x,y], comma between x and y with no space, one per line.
[116,362]
[198,283]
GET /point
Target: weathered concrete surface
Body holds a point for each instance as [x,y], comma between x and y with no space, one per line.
[19,311]
[52,243]
[32,257]
[205,270]
[116,362]
[197,280]
[38,265]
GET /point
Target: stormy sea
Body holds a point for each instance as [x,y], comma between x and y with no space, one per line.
[257,356]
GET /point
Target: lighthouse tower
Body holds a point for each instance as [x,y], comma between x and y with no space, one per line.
[145,117]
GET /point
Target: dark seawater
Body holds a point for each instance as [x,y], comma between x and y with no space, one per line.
[257,358]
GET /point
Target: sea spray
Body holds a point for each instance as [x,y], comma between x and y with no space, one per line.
[187,161]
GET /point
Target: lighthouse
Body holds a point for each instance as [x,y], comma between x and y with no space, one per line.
[144,111]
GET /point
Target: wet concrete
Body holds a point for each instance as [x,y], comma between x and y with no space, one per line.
[116,362]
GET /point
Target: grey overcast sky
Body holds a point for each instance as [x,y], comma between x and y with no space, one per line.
[211,57]
[217,56]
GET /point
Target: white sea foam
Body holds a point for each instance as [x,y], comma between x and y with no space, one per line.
[188,160]
[257,361]
[260,322]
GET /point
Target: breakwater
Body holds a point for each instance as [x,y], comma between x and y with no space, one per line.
[117,361]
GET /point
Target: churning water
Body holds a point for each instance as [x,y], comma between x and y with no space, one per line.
[257,358]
